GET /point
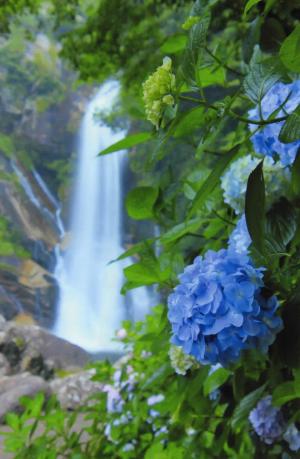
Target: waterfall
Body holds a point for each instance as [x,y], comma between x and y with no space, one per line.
[90,306]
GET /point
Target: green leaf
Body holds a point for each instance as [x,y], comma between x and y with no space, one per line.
[189,123]
[290,131]
[296,175]
[213,179]
[289,51]
[128,142]
[285,392]
[255,207]
[241,412]
[249,5]
[145,273]
[263,74]
[140,202]
[282,222]
[174,44]
[196,43]
[212,75]
[215,380]
[180,230]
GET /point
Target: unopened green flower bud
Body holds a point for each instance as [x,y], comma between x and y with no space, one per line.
[157,92]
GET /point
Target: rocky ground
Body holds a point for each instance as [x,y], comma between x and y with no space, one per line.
[31,360]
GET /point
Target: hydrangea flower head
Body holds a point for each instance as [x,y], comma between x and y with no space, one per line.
[240,240]
[157,91]
[292,436]
[234,181]
[180,361]
[267,420]
[217,310]
[265,141]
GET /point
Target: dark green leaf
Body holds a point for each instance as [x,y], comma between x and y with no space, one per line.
[286,392]
[215,380]
[140,202]
[290,131]
[212,180]
[289,51]
[127,142]
[249,5]
[255,207]
[241,412]
[282,222]
[296,175]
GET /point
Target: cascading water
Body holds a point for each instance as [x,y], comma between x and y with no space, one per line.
[91,307]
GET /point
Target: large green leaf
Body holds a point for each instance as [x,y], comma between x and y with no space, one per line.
[128,142]
[241,412]
[255,207]
[180,230]
[212,180]
[285,392]
[290,131]
[249,5]
[263,74]
[196,43]
[282,222]
[289,51]
[215,380]
[296,175]
[140,202]
[174,44]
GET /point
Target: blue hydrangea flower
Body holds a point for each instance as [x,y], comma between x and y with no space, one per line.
[240,240]
[292,436]
[218,310]
[234,181]
[265,141]
[267,420]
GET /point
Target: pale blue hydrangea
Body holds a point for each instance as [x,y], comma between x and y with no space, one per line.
[267,421]
[218,310]
[292,437]
[234,181]
[240,240]
[265,141]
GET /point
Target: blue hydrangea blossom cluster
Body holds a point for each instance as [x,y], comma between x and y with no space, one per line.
[265,141]
[234,181]
[267,421]
[292,437]
[217,310]
[240,240]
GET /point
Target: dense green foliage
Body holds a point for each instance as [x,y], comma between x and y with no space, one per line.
[223,65]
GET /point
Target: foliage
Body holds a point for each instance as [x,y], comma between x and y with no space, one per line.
[226,66]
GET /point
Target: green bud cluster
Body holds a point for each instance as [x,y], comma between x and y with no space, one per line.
[157,92]
[180,361]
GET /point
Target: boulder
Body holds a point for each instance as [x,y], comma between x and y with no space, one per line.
[14,387]
[36,343]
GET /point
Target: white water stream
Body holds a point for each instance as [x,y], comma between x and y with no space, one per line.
[91,307]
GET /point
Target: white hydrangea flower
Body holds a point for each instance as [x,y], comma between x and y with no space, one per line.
[234,181]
